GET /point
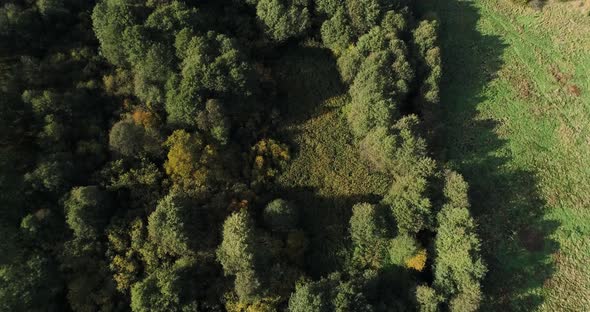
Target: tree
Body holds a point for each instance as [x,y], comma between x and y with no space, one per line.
[212,67]
[336,32]
[281,215]
[430,69]
[307,298]
[110,19]
[87,211]
[173,226]
[458,267]
[427,298]
[368,231]
[167,289]
[364,14]
[213,121]
[238,254]
[129,139]
[192,164]
[284,19]
[31,283]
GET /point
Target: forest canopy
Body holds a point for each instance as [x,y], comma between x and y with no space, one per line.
[146,150]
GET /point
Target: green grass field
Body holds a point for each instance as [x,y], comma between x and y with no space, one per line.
[516,102]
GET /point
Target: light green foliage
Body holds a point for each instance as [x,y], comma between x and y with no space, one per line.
[427,298]
[394,22]
[284,19]
[458,266]
[379,148]
[281,215]
[380,74]
[369,235]
[329,294]
[329,7]
[129,139]
[425,38]
[236,252]
[212,67]
[411,169]
[402,248]
[152,72]
[371,105]
[336,32]
[87,211]
[409,203]
[172,226]
[307,298]
[170,289]
[239,253]
[110,19]
[364,14]
[172,17]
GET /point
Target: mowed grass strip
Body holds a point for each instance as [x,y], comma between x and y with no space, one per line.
[516,97]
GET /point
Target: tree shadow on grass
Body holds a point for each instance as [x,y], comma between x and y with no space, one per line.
[505,200]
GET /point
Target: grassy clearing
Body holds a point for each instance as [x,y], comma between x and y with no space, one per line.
[516,98]
[326,176]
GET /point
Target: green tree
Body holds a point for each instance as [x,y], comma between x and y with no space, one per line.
[167,289]
[173,226]
[458,267]
[368,231]
[427,298]
[129,139]
[88,211]
[31,283]
[212,67]
[308,298]
[110,19]
[284,19]
[238,255]
[336,32]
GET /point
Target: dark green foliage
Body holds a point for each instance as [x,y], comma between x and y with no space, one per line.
[213,120]
[281,215]
[212,67]
[284,19]
[254,108]
[29,285]
[87,210]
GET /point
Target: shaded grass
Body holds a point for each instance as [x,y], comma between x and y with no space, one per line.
[516,101]
[326,176]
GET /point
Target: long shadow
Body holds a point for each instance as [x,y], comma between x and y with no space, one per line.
[505,201]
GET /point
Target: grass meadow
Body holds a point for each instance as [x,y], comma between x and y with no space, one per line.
[516,109]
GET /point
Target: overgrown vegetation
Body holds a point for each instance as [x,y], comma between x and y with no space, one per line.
[228,156]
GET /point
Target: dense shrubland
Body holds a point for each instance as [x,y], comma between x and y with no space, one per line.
[140,155]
